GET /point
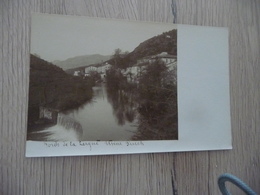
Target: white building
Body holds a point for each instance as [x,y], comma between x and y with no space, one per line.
[89,69]
[76,73]
[132,73]
[166,58]
[169,60]
[103,68]
[100,69]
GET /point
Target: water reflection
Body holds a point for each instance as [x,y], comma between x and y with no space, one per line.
[124,104]
[107,117]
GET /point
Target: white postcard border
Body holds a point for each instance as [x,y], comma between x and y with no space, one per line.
[203,102]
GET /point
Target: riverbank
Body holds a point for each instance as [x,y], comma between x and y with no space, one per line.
[53,88]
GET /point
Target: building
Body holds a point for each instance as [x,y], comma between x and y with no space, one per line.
[88,69]
[103,68]
[132,73]
[76,73]
[164,56]
[98,68]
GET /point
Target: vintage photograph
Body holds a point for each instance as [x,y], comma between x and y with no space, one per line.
[95,79]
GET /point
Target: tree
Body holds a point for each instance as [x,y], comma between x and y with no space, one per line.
[125,53]
[94,77]
[120,59]
[157,109]
[117,57]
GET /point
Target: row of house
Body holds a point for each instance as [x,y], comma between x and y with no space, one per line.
[132,73]
[101,69]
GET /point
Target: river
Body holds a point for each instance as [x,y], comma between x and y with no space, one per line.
[123,111]
[107,117]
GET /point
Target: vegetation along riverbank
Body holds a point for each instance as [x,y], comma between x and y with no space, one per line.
[53,88]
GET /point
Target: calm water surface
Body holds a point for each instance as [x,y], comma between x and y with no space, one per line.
[102,119]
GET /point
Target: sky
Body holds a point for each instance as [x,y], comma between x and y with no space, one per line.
[59,37]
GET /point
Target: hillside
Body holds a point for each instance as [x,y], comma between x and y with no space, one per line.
[80,61]
[166,42]
[51,87]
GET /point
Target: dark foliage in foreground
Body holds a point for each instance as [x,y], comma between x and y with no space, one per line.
[51,87]
[158,115]
[153,101]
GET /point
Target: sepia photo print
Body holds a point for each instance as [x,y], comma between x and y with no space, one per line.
[102,80]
